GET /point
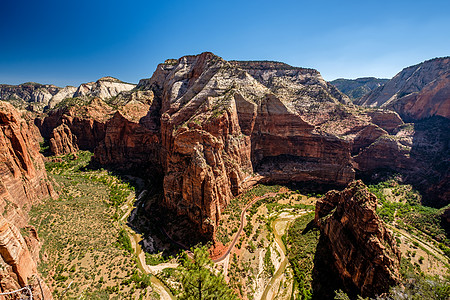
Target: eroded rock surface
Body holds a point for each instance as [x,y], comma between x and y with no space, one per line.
[62,141]
[37,96]
[23,182]
[365,253]
[211,127]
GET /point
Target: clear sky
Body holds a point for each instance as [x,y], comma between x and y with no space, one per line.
[70,42]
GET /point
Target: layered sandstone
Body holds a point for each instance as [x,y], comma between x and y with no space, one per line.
[416,92]
[208,126]
[212,124]
[219,124]
[365,253]
[23,182]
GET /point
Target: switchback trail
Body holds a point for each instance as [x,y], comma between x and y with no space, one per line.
[236,237]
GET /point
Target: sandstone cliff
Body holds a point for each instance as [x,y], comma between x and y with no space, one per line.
[23,182]
[208,126]
[85,120]
[365,253]
[416,92]
[219,125]
[37,97]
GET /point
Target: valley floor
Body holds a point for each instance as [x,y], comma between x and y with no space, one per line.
[90,252]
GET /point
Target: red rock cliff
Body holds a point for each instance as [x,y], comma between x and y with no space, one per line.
[23,182]
[365,253]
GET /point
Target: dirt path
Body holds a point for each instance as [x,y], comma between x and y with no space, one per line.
[236,237]
[241,227]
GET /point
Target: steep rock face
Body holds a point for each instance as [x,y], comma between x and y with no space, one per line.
[365,252]
[23,182]
[388,120]
[416,92]
[62,141]
[208,125]
[419,151]
[29,92]
[357,88]
[129,145]
[18,265]
[222,121]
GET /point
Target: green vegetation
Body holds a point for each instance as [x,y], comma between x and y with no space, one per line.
[83,238]
[70,102]
[415,285]
[268,265]
[198,281]
[400,203]
[302,241]
[155,259]
[232,213]
[124,241]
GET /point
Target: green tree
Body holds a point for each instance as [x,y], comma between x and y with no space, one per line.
[199,280]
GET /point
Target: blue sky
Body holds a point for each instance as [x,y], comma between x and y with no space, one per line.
[70,42]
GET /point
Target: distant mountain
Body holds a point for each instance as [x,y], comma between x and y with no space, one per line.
[417,92]
[37,96]
[356,88]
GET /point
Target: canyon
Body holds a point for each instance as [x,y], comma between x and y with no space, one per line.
[417,92]
[211,128]
[205,130]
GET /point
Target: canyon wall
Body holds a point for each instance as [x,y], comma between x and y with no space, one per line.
[23,182]
[210,128]
[417,92]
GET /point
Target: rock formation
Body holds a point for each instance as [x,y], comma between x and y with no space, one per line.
[86,120]
[416,92]
[207,126]
[359,87]
[23,182]
[37,96]
[62,141]
[365,253]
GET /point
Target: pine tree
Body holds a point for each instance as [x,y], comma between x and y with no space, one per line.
[198,280]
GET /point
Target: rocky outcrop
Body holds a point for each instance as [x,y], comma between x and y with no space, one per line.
[18,265]
[86,120]
[37,97]
[365,253]
[23,182]
[62,141]
[416,92]
[357,88]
